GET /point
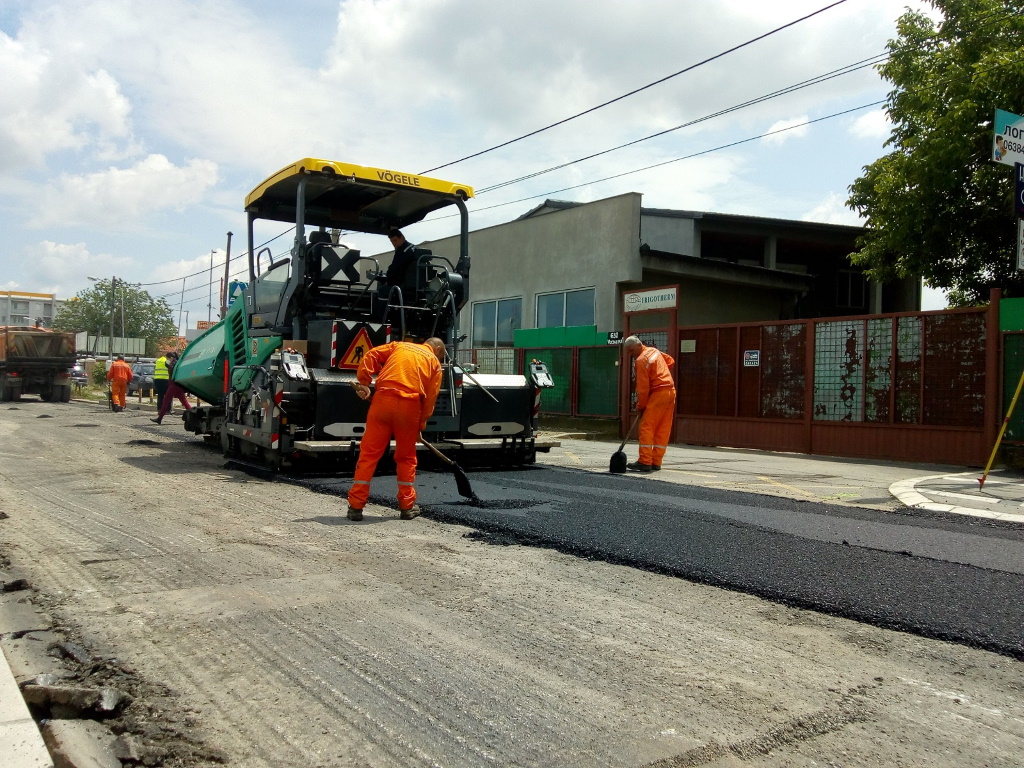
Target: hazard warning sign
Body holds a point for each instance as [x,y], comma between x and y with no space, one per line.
[360,345]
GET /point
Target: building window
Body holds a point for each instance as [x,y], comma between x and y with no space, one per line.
[852,289]
[494,322]
[555,310]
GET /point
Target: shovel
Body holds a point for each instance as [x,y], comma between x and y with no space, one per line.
[461,481]
[618,462]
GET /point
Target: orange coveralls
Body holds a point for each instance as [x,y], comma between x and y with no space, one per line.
[656,397]
[408,382]
[119,375]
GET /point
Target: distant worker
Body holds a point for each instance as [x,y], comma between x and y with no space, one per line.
[408,381]
[655,400]
[161,376]
[174,390]
[405,259]
[119,375]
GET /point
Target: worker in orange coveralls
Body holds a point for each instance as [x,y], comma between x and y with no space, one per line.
[119,375]
[408,380]
[655,400]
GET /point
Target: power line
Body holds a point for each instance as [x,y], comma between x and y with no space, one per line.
[206,271]
[775,94]
[686,157]
[638,90]
[995,17]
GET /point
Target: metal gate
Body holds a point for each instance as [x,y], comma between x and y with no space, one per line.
[912,387]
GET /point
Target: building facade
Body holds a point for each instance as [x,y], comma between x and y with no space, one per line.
[22,308]
[571,264]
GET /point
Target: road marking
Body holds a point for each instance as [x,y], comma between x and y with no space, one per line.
[789,487]
[572,456]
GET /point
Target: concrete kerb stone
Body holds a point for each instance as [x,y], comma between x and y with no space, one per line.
[906,492]
[20,740]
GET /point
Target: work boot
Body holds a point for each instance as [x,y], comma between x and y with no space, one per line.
[157,421]
[637,466]
[656,467]
[410,513]
[355,514]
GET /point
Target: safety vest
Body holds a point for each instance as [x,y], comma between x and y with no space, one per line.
[160,368]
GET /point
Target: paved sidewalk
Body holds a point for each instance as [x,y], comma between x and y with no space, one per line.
[825,479]
[858,482]
[961,493]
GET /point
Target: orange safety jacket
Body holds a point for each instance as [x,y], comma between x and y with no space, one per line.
[406,369]
[120,371]
[652,373]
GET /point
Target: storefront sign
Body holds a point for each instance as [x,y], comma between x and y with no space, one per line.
[643,301]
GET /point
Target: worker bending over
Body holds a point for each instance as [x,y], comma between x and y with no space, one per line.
[655,400]
[119,375]
[408,380]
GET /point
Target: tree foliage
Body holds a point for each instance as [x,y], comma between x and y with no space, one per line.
[143,316]
[937,205]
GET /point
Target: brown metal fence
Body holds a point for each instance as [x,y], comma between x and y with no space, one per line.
[909,386]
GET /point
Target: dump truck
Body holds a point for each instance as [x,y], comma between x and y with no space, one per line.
[35,361]
[276,373]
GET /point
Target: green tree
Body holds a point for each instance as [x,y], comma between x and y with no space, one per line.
[143,316]
[937,206]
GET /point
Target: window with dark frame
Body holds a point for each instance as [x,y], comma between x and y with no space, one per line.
[851,289]
[495,322]
[565,308]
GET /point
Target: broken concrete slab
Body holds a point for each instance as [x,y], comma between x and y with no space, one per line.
[18,614]
[70,702]
[80,744]
[29,657]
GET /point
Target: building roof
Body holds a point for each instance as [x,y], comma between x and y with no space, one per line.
[552,206]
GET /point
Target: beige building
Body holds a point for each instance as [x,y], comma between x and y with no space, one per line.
[23,308]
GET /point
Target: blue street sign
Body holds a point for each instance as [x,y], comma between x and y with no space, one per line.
[235,289]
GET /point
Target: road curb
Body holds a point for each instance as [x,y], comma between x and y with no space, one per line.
[906,492]
[21,743]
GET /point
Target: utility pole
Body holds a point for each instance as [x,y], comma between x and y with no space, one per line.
[209,305]
[113,308]
[181,306]
[227,277]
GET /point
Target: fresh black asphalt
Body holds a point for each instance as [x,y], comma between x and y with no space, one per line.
[957,579]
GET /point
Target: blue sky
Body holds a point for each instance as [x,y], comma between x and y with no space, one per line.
[132,131]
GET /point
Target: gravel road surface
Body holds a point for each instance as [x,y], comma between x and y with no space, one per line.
[294,637]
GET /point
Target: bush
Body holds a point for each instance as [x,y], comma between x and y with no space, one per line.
[99,374]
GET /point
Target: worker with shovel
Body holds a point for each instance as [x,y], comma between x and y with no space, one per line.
[408,382]
[655,400]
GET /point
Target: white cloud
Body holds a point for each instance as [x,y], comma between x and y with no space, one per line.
[873,125]
[833,210]
[781,131]
[51,106]
[64,268]
[123,198]
[112,101]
